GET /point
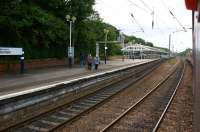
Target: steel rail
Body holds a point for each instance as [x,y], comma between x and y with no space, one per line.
[102,102]
[74,80]
[138,102]
[143,74]
[170,101]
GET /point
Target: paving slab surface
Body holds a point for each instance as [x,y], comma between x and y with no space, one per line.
[41,77]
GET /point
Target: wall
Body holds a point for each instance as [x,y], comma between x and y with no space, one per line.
[31,64]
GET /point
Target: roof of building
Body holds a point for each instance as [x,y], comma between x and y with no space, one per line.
[143,48]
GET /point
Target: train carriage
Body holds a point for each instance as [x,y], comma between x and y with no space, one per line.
[194,5]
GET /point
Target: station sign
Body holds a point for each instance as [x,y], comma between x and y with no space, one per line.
[70,51]
[11,51]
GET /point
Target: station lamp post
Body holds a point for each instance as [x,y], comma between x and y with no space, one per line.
[106,31]
[70,19]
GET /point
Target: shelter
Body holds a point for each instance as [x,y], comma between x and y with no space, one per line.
[138,51]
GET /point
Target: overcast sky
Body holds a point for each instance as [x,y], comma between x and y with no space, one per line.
[118,13]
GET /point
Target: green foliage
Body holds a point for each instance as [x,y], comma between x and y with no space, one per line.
[92,30]
[186,52]
[39,26]
[80,8]
[164,49]
[149,44]
[137,40]
[39,32]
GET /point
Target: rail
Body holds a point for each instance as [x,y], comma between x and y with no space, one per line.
[120,76]
[169,103]
[140,101]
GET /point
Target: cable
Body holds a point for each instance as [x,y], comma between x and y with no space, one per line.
[137,22]
[132,14]
[146,5]
[147,10]
[177,20]
[151,10]
[172,14]
[153,14]
[141,8]
[166,7]
[163,22]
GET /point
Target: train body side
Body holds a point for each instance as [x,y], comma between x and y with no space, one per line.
[194,5]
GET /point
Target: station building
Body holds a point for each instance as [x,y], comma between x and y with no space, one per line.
[138,51]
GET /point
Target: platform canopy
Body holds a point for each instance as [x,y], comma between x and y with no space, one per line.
[141,48]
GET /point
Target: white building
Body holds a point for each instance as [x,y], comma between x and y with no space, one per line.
[138,51]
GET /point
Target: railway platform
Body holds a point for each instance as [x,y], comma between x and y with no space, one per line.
[22,104]
[42,77]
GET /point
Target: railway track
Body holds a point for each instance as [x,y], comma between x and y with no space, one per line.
[179,116]
[149,111]
[56,118]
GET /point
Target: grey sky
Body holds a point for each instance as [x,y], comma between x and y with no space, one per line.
[117,13]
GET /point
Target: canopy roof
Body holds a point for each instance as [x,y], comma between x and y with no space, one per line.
[141,48]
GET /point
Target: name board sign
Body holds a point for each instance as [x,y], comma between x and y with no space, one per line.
[70,51]
[10,51]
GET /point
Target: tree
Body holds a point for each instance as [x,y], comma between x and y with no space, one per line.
[149,44]
[40,26]
[186,52]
